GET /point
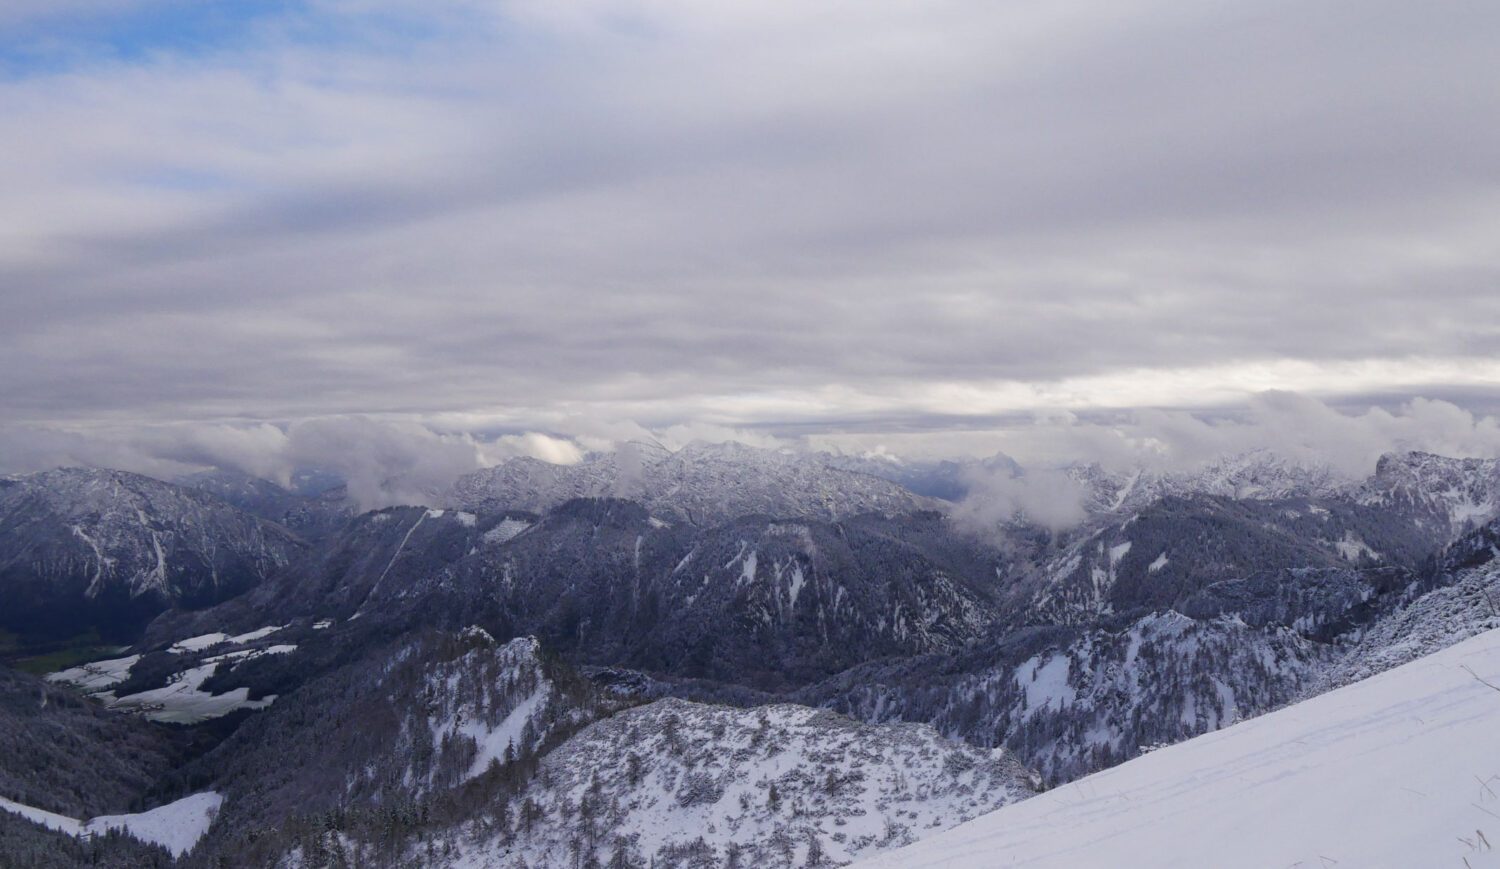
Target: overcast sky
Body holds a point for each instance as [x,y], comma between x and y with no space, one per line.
[873,220]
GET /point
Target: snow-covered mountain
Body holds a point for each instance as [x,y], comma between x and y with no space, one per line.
[457,749]
[701,484]
[312,514]
[82,548]
[1259,475]
[1398,771]
[1067,701]
[1449,495]
[756,601]
[675,783]
[344,707]
[1464,601]
[1280,560]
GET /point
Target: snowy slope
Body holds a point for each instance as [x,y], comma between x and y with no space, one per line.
[680,783]
[176,826]
[1398,771]
[1468,605]
[1069,702]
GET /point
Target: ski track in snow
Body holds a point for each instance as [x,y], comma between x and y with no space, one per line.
[1399,771]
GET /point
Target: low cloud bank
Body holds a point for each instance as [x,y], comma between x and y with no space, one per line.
[1047,498]
[406,462]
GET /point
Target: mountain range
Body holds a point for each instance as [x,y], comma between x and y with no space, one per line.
[711,657]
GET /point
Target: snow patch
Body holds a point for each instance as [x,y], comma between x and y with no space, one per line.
[176,826]
[96,676]
[505,530]
[256,634]
[198,643]
[182,700]
[1352,548]
[1046,681]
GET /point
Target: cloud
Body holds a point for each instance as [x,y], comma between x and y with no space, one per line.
[781,216]
[383,462]
[407,462]
[1298,427]
[996,495]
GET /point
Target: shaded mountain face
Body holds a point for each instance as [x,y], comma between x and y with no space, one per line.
[756,601]
[760,602]
[107,550]
[1073,698]
[701,484]
[380,555]
[1264,560]
[313,511]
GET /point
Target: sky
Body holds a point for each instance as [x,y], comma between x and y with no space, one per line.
[241,233]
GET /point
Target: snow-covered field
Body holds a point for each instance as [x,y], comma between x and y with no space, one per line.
[176,826]
[181,700]
[1401,770]
[96,676]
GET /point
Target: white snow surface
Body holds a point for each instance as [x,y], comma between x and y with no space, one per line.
[505,530]
[199,643]
[176,826]
[493,741]
[50,820]
[182,700]
[486,697]
[98,675]
[257,634]
[1400,770]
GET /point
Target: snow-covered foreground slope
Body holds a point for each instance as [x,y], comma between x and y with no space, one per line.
[1400,770]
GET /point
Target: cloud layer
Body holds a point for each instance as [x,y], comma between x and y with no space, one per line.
[875,215]
[404,462]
